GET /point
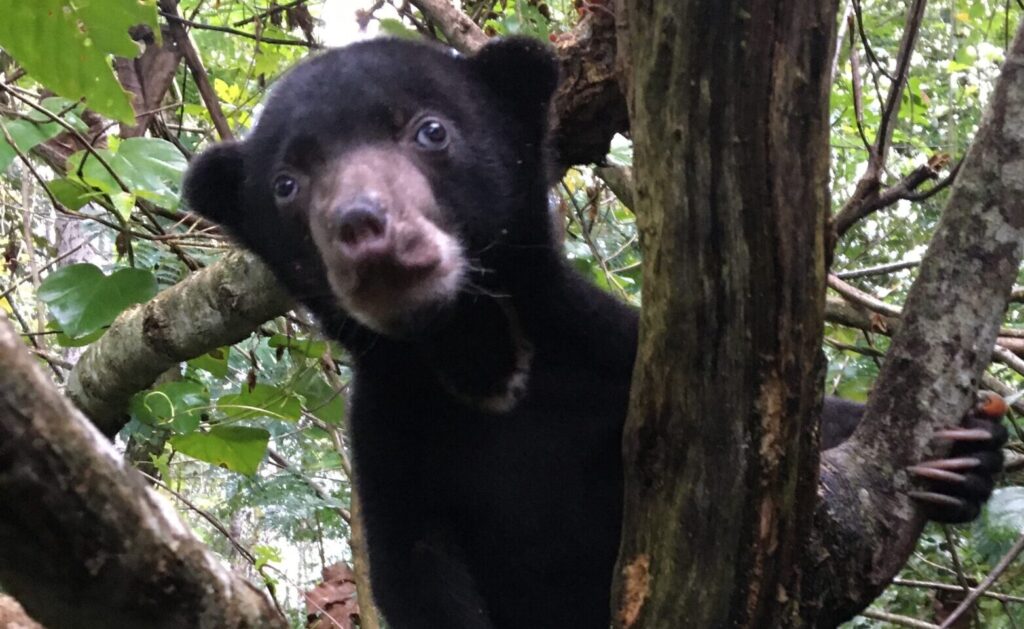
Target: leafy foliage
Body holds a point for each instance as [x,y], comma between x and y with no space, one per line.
[64,45]
[82,299]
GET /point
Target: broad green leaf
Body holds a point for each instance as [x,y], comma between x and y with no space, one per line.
[26,134]
[215,362]
[109,21]
[150,167]
[67,341]
[82,299]
[305,346]
[237,448]
[65,45]
[322,400]
[263,400]
[397,28]
[179,404]
[71,194]
[123,202]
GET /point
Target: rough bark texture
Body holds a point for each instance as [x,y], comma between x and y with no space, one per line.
[217,306]
[589,107]
[866,527]
[83,541]
[728,105]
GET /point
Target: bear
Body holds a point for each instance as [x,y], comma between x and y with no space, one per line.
[400,192]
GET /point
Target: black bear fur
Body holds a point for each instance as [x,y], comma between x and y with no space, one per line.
[489,502]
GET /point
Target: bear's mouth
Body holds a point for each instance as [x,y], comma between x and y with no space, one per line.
[401,284]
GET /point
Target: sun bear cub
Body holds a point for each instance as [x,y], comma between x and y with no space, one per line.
[400,192]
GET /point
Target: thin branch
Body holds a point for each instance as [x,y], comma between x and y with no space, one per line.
[458,28]
[867,188]
[897,619]
[270,11]
[223,530]
[320,492]
[195,66]
[177,19]
[948,587]
[881,269]
[1001,567]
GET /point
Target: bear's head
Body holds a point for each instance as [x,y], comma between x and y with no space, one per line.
[389,177]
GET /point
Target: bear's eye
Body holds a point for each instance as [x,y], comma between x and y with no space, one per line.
[285,188]
[432,135]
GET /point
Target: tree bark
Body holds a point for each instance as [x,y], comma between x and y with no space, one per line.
[217,306]
[866,527]
[728,108]
[83,541]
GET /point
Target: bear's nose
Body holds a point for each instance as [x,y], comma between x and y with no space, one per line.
[361,226]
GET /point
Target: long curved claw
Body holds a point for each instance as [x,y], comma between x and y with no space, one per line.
[964,434]
[934,473]
[958,464]
[941,500]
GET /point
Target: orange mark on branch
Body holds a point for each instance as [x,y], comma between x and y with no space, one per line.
[636,589]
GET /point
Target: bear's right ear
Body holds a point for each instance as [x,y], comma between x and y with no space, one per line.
[213,183]
[522,71]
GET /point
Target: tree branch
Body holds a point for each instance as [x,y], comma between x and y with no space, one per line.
[460,31]
[83,541]
[864,198]
[169,8]
[217,306]
[589,107]
[866,526]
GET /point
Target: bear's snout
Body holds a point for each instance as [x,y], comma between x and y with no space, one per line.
[361,228]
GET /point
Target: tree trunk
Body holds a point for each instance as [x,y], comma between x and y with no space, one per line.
[728,108]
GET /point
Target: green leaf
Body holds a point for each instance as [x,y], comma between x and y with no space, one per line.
[26,135]
[305,346]
[237,448]
[109,20]
[179,404]
[82,299]
[151,168]
[64,45]
[67,341]
[215,362]
[263,400]
[396,28]
[322,400]
[71,194]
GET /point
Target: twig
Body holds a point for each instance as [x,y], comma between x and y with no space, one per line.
[271,11]
[881,269]
[947,587]
[868,186]
[954,557]
[1001,567]
[223,530]
[86,144]
[320,492]
[896,619]
[195,66]
[458,28]
[177,19]
[860,297]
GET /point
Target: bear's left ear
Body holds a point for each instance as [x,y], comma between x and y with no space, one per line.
[213,184]
[521,71]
